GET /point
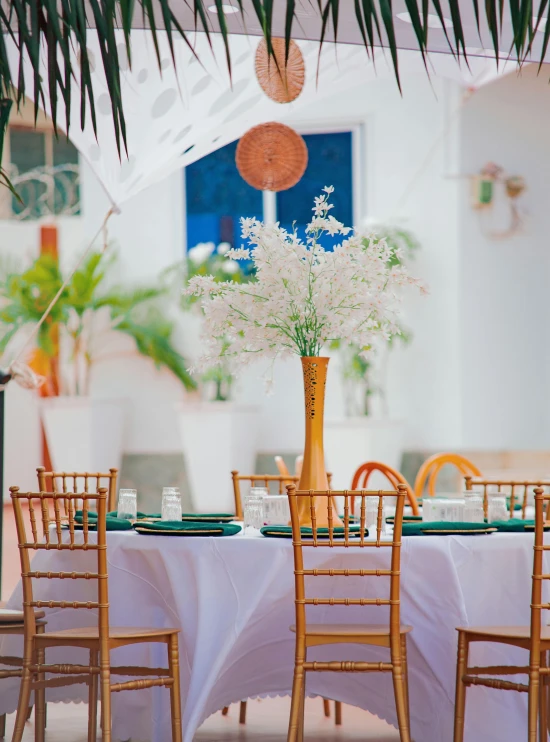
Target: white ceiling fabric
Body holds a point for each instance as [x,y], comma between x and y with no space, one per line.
[176,115]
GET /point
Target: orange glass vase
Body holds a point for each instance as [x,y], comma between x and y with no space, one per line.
[314,475]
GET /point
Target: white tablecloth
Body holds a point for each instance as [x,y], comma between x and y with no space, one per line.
[233,599]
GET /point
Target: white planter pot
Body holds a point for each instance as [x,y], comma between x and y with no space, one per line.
[84,433]
[217,437]
[350,442]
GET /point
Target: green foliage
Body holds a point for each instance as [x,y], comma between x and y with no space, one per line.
[133,311]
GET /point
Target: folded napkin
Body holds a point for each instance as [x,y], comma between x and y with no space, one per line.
[419,528]
[113,523]
[286,531]
[182,528]
[516,525]
[406,518]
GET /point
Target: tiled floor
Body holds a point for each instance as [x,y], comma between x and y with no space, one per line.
[267,722]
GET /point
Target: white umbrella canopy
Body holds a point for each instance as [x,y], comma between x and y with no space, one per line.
[183,111]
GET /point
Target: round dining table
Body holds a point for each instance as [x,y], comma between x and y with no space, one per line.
[233,599]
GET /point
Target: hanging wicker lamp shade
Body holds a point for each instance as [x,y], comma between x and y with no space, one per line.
[281,80]
[271,157]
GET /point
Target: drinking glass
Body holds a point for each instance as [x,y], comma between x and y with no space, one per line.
[253,507]
[276,510]
[127,504]
[473,507]
[371,514]
[171,503]
[496,507]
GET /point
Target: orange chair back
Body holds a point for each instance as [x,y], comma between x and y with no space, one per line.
[362,476]
[429,471]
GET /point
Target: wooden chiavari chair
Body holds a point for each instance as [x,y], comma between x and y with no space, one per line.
[62,481]
[431,467]
[534,638]
[395,478]
[99,639]
[281,480]
[309,634]
[12,623]
[518,492]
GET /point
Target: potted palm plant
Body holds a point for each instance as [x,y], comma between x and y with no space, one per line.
[83,432]
[367,432]
[216,427]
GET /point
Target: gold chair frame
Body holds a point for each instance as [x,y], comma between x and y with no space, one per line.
[471,482]
[100,639]
[431,467]
[394,477]
[13,624]
[534,638]
[47,482]
[393,635]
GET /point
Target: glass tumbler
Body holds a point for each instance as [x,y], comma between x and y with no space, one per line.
[253,508]
[127,504]
[171,504]
[473,507]
[496,507]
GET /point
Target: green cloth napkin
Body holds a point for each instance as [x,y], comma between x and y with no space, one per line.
[113,524]
[183,528]
[418,528]
[286,531]
[516,525]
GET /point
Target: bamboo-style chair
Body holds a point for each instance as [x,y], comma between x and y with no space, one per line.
[56,481]
[429,471]
[281,480]
[395,478]
[534,638]
[12,623]
[517,491]
[99,639]
[308,634]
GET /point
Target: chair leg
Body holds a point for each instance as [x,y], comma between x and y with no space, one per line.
[23,704]
[2,726]
[543,707]
[40,702]
[105,686]
[92,697]
[296,704]
[338,713]
[175,694]
[225,710]
[406,676]
[460,691]
[326,707]
[242,713]
[302,712]
[533,704]
[400,693]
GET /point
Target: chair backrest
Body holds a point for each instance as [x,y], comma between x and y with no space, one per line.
[540,574]
[63,481]
[59,534]
[257,480]
[431,467]
[517,491]
[395,478]
[327,540]
[282,468]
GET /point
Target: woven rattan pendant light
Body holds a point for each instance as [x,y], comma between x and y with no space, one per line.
[271,157]
[281,80]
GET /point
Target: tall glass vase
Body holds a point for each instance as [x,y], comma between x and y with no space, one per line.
[314,475]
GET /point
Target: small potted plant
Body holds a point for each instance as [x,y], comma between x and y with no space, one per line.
[84,432]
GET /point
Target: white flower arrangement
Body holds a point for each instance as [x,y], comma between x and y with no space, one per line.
[304,296]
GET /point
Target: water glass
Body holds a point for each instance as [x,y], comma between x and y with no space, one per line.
[496,507]
[276,510]
[473,507]
[371,514]
[127,504]
[253,507]
[171,504]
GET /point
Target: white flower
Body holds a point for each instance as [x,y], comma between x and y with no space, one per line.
[201,252]
[328,189]
[223,248]
[231,267]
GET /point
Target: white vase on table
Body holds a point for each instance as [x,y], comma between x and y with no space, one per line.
[84,433]
[217,437]
[351,441]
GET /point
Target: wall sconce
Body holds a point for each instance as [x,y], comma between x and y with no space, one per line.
[485,191]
